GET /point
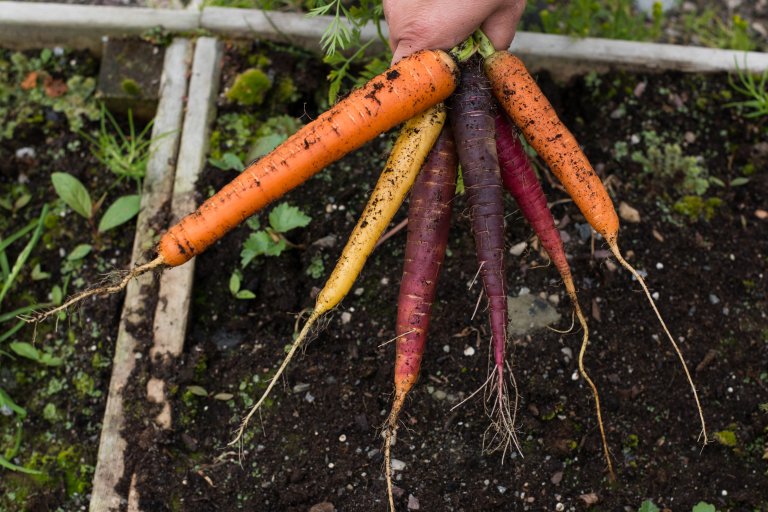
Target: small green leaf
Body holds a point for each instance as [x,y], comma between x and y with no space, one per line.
[703,506]
[265,144]
[284,218]
[256,245]
[275,248]
[234,283]
[648,506]
[57,295]
[50,360]
[79,252]
[73,192]
[223,396]
[25,349]
[22,201]
[7,403]
[227,162]
[120,212]
[50,413]
[253,222]
[245,295]
[726,438]
[38,274]
[737,182]
[197,390]
[13,467]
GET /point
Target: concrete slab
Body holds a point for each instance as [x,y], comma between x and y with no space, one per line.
[129,77]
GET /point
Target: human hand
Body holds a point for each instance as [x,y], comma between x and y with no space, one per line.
[418,24]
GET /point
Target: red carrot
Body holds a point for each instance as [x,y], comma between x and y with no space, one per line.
[429,219]
[523,184]
[473,127]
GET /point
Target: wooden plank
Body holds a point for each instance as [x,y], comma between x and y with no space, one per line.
[171,314]
[567,56]
[35,25]
[294,28]
[158,185]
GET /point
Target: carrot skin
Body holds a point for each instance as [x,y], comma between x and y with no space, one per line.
[406,89]
[523,184]
[530,110]
[474,130]
[429,219]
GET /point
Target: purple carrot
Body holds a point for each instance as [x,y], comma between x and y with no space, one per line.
[473,126]
[522,183]
[429,219]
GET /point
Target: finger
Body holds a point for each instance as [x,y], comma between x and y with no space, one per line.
[500,26]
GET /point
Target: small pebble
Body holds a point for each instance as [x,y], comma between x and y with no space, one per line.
[324,506]
[554,298]
[346,317]
[327,242]
[300,387]
[517,249]
[501,489]
[689,137]
[398,465]
[575,375]
[567,352]
[556,479]
[655,295]
[469,351]
[372,453]
[384,281]
[447,349]
[25,152]
[629,213]
[584,230]
[659,266]
[359,291]
[761,214]
[440,394]
[309,397]
[342,438]
[559,507]
[413,502]
[714,299]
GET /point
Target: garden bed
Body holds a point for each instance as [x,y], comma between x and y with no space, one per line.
[48,116]
[667,146]
[317,439]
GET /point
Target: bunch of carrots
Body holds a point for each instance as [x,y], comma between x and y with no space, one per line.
[489,96]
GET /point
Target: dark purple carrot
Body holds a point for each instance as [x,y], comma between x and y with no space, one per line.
[429,219]
[472,120]
[521,181]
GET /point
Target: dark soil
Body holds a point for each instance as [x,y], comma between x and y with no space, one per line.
[317,439]
[65,403]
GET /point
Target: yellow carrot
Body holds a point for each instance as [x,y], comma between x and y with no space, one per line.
[408,155]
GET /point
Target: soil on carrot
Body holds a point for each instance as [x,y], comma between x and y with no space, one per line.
[690,171]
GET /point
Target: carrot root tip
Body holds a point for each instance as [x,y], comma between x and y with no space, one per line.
[119,281]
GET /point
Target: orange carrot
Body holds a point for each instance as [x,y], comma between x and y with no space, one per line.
[407,88]
[530,110]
